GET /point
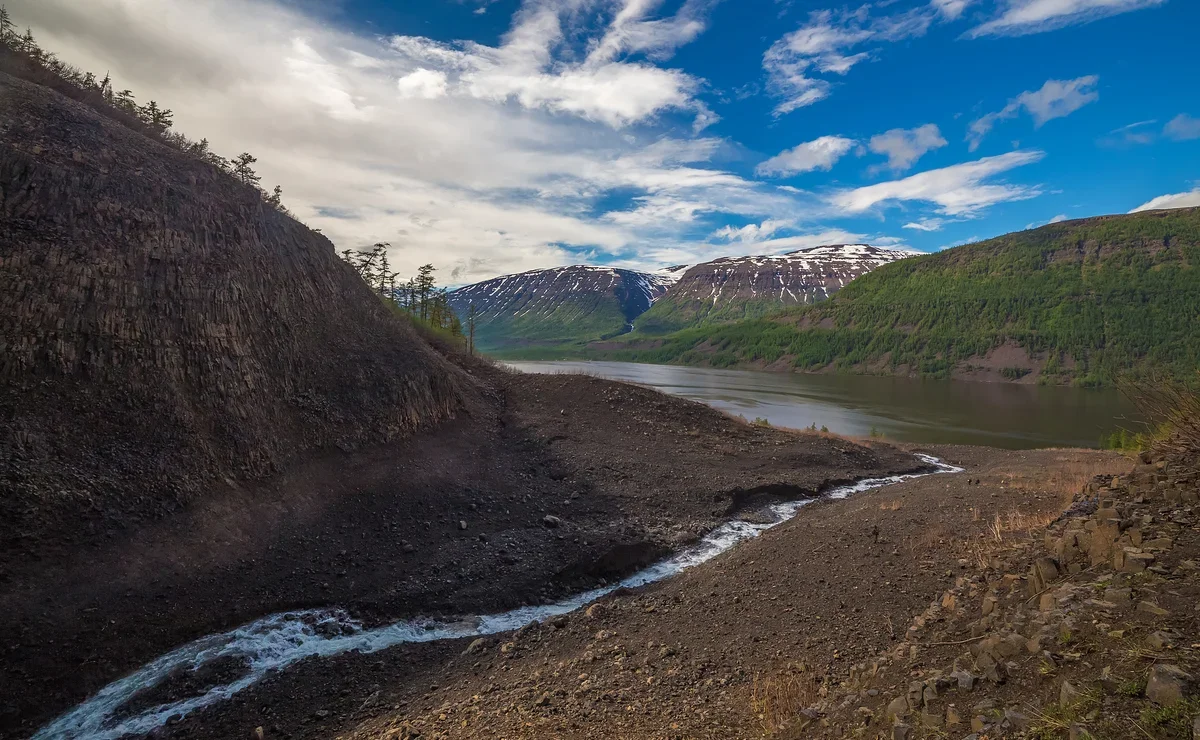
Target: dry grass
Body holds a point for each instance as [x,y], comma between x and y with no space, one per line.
[893,505]
[776,700]
[1004,533]
[1067,476]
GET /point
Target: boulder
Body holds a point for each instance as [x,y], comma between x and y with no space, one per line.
[1168,684]
[551,521]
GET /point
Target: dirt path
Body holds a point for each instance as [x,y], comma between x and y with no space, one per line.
[680,658]
[452,522]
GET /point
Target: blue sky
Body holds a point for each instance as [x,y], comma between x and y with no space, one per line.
[492,137]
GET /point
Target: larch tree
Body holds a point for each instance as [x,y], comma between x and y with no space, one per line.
[243,170]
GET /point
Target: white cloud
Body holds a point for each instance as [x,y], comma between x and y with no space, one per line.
[818,154]
[904,147]
[1183,127]
[422,83]
[483,159]
[1133,134]
[958,190]
[1189,199]
[1021,17]
[751,232]
[927,224]
[951,9]
[827,43]
[1059,219]
[1055,99]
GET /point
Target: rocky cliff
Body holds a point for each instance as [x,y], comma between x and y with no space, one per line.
[163,330]
[560,304]
[734,288]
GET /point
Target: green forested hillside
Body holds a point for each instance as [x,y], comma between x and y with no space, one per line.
[1086,299]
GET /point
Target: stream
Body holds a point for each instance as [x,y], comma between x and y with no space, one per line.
[280,640]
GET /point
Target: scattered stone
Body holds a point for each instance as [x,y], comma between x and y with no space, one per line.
[551,521]
[477,646]
[1070,695]
[901,732]
[462,524]
[1168,684]
[259,733]
[1159,640]
[897,708]
[1147,607]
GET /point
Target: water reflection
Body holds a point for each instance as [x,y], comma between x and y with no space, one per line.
[906,409]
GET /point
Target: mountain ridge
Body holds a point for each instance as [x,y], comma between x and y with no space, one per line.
[547,309]
[1082,301]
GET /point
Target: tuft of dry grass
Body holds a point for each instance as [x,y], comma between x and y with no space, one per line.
[893,505]
[777,699]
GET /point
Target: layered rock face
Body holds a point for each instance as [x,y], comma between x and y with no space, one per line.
[734,288]
[580,302]
[162,329]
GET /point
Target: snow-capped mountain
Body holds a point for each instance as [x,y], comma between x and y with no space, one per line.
[580,302]
[744,287]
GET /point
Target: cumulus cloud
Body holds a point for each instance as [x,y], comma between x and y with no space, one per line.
[818,154]
[490,159]
[1189,199]
[1055,99]
[751,232]
[904,147]
[1183,127]
[1021,17]
[799,64]
[959,190]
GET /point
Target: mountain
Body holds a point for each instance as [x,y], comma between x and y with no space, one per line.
[733,288]
[548,307]
[1074,302]
[163,330]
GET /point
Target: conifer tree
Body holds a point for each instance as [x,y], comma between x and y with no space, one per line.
[8,29]
[242,169]
[472,313]
[424,288]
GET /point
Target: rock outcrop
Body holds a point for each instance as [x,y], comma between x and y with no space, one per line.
[163,330]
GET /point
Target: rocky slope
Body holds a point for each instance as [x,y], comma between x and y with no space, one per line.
[734,288]
[560,304]
[163,330]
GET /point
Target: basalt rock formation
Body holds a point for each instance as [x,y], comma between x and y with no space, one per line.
[163,330]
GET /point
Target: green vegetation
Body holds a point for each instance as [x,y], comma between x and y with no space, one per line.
[418,299]
[1174,721]
[671,313]
[1124,440]
[1088,301]
[578,319]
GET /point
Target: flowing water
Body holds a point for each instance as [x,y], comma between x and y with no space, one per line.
[1003,415]
[278,641]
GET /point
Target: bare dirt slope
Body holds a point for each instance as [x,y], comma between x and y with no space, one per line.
[808,600]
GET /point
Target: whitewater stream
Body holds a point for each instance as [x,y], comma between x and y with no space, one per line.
[277,641]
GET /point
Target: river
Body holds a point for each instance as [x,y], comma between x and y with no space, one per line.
[903,409]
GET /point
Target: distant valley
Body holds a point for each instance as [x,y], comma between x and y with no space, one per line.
[561,310]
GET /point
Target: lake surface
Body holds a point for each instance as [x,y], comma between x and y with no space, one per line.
[902,409]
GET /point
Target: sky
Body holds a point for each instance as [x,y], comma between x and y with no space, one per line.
[495,136]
